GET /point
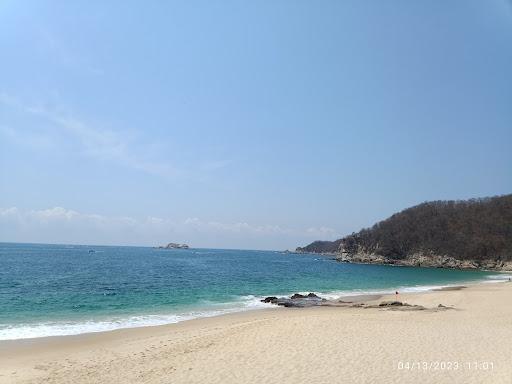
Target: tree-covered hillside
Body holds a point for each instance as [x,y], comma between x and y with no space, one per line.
[475,229]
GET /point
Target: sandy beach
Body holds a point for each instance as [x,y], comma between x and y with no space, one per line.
[471,343]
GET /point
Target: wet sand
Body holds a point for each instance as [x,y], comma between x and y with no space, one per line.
[469,343]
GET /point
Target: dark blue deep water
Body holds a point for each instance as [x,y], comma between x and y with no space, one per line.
[66,289]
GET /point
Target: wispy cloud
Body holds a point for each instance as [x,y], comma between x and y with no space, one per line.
[105,144]
[322,232]
[52,46]
[215,165]
[124,148]
[237,227]
[129,147]
[33,140]
[61,215]
[58,224]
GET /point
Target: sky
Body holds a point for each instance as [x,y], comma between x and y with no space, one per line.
[246,124]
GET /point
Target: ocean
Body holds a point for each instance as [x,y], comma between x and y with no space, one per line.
[50,290]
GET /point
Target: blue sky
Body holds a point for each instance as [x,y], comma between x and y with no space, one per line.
[238,124]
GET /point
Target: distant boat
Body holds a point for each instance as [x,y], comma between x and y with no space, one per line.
[92,251]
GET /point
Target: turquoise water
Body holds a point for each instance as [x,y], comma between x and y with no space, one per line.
[64,289]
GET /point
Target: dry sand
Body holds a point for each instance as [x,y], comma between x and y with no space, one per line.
[312,345]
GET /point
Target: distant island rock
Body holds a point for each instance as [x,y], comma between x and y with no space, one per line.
[464,234]
[173,246]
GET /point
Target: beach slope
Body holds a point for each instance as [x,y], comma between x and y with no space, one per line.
[470,343]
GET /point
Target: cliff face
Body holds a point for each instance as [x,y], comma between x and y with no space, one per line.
[425,260]
[452,234]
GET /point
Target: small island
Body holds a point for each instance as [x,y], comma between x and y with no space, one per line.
[173,246]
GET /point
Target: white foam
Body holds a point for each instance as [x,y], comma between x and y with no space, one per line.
[498,278]
[244,303]
[334,295]
[61,328]
[501,276]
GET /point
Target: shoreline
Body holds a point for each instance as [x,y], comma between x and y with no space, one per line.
[211,349]
[420,260]
[360,344]
[205,312]
[417,260]
[355,296]
[366,297]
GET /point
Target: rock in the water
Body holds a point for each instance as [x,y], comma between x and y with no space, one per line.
[174,246]
[310,295]
[269,299]
[298,300]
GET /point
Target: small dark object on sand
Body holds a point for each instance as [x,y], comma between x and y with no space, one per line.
[391,304]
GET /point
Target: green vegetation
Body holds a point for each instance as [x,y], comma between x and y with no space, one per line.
[476,229]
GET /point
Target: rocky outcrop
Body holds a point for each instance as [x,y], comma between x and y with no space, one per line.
[269,299]
[419,259]
[465,234]
[296,300]
[299,296]
[311,300]
[173,246]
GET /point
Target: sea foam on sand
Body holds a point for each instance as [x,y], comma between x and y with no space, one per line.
[312,345]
